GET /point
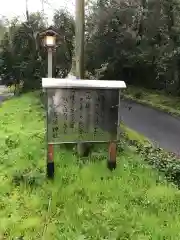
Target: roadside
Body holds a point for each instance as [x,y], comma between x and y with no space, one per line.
[133,135]
[86,200]
[155,99]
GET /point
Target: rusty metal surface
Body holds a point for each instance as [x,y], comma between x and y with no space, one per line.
[76,115]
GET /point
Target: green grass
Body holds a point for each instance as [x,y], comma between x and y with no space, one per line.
[156,99]
[85,201]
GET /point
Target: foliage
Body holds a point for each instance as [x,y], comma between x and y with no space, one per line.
[167,163]
[64,25]
[137,40]
[24,57]
[2,29]
[85,201]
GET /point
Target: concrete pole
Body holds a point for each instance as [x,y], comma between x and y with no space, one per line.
[50,63]
[27,11]
[80,39]
[83,149]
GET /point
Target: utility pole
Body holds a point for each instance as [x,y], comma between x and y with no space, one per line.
[82,148]
[27,11]
[80,39]
[42,6]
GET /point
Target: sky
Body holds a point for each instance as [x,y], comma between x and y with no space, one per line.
[12,8]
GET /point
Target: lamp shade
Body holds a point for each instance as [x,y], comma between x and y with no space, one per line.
[50,41]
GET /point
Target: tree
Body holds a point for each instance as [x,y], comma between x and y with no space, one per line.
[24,57]
[65,26]
[137,41]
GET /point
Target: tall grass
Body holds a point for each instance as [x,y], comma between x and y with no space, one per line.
[85,201]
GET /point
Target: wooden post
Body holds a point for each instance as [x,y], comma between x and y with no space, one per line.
[82,148]
[111,163]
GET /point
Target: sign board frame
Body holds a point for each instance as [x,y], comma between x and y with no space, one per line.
[63,85]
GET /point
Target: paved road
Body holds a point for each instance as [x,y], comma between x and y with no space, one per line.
[4,94]
[3,88]
[157,126]
[2,98]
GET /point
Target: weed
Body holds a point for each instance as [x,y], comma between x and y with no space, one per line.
[85,200]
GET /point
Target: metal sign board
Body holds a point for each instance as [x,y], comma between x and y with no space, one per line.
[82,115]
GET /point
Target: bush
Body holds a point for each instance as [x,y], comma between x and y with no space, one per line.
[138,95]
[165,162]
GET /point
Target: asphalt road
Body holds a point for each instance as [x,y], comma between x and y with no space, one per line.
[2,98]
[159,127]
[4,94]
[2,88]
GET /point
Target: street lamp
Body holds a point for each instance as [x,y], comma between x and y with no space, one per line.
[49,39]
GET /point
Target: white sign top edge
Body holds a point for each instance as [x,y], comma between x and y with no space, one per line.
[80,83]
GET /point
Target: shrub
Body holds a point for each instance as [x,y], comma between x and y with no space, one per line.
[165,162]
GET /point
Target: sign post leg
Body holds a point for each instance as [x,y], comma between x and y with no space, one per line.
[111,164]
[50,161]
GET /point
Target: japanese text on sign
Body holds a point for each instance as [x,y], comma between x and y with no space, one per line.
[79,115]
